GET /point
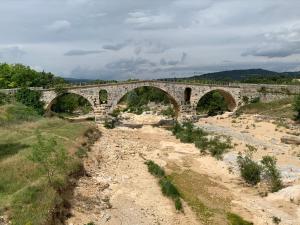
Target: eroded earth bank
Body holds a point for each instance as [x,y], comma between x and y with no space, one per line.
[118,189]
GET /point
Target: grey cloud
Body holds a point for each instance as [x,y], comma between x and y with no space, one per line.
[164,62]
[207,31]
[78,52]
[278,44]
[277,51]
[59,26]
[13,52]
[115,47]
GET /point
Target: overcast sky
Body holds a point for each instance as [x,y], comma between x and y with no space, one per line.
[121,39]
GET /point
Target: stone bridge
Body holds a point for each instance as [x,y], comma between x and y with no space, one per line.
[184,96]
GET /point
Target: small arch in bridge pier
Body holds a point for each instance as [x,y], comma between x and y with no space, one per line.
[187,95]
[103,96]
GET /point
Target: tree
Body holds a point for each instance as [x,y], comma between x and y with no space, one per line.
[31,99]
[296,106]
[50,156]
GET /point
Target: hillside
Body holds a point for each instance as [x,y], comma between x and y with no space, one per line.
[246,76]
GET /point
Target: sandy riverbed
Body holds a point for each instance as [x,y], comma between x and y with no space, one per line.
[119,189]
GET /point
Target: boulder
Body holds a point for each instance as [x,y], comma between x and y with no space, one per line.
[294,140]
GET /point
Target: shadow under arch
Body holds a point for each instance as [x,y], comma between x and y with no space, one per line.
[169,96]
[54,100]
[228,98]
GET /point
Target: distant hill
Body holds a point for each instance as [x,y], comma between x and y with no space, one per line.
[237,75]
[77,81]
[246,76]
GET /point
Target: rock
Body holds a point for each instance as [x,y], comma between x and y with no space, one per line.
[291,140]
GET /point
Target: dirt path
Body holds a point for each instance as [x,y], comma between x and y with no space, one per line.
[119,189]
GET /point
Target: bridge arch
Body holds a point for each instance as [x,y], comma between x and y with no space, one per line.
[55,96]
[171,97]
[229,98]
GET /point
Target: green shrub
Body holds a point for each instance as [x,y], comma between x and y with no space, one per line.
[4,99]
[109,124]
[271,173]
[31,99]
[276,220]
[296,106]
[169,112]
[234,219]
[81,152]
[250,170]
[178,204]
[187,133]
[202,144]
[255,100]
[217,147]
[176,128]
[168,188]
[155,169]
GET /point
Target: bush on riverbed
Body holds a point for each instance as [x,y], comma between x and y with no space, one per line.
[250,170]
[187,133]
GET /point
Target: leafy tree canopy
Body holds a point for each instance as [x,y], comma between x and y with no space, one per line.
[18,75]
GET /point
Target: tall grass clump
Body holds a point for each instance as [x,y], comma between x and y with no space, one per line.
[167,187]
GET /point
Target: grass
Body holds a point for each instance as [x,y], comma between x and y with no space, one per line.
[237,220]
[204,196]
[167,187]
[24,192]
[280,108]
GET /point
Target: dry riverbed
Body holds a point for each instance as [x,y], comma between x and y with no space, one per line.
[118,189]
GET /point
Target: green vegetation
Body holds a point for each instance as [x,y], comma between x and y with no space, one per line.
[167,187]
[169,112]
[155,169]
[31,99]
[237,220]
[27,160]
[70,104]
[187,133]
[271,173]
[138,99]
[296,107]
[195,189]
[4,99]
[17,75]
[110,123]
[253,173]
[280,108]
[17,113]
[250,170]
[213,103]
[51,157]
